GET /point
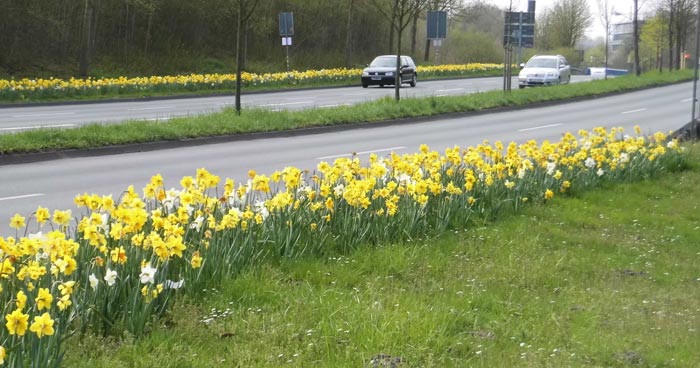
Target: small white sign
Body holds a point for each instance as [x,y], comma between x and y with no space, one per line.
[286,41]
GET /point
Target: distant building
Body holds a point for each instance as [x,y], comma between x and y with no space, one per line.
[621,34]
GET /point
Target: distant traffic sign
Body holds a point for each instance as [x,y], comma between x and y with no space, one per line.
[286,24]
[519,29]
[437,25]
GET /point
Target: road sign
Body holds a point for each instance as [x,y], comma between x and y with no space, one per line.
[286,41]
[519,29]
[286,24]
[437,25]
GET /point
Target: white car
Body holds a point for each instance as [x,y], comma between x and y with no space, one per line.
[544,70]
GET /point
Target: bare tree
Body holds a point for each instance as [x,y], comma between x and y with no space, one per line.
[243,9]
[565,23]
[681,20]
[399,15]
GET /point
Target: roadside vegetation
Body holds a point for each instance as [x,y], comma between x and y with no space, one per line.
[259,120]
[358,259]
[54,89]
[606,278]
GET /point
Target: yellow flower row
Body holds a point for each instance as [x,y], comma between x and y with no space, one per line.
[153,243]
[27,84]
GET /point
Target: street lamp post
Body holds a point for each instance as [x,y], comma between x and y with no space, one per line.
[693,119]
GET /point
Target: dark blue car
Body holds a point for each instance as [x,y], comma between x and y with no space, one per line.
[381,71]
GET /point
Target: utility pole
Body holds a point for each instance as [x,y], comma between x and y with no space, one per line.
[693,118]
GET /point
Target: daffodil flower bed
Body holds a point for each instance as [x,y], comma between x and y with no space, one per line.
[126,258]
[53,88]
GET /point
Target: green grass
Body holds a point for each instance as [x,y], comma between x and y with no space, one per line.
[255,120]
[605,278]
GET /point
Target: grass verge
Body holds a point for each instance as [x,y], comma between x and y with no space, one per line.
[255,120]
[605,278]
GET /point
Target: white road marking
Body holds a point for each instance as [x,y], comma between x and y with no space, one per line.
[38,127]
[442,95]
[450,90]
[356,94]
[633,111]
[361,153]
[21,196]
[159,119]
[152,108]
[286,103]
[48,114]
[687,100]
[335,105]
[539,127]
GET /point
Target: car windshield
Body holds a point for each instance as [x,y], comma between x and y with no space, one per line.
[384,62]
[542,63]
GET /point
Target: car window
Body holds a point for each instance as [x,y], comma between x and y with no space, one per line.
[541,63]
[384,62]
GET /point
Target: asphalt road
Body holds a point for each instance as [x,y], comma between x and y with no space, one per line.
[54,184]
[15,119]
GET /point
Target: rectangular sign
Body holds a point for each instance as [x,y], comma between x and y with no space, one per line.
[519,29]
[286,24]
[437,25]
[286,41]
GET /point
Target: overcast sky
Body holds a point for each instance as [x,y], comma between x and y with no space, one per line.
[596,30]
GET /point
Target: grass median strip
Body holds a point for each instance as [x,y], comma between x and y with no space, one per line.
[257,120]
[604,278]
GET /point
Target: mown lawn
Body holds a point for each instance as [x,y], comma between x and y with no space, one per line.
[609,277]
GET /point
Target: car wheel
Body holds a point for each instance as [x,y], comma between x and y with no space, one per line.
[364,85]
[413,81]
[521,87]
[381,86]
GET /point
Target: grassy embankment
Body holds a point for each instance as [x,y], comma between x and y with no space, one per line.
[604,278]
[256,120]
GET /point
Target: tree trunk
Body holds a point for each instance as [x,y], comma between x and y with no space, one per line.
[239,59]
[414,33]
[87,40]
[426,55]
[637,70]
[149,25]
[670,37]
[348,35]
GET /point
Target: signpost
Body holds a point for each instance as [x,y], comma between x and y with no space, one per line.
[437,29]
[519,31]
[286,23]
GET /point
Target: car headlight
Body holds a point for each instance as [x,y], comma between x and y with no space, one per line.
[365,73]
[552,75]
[389,74]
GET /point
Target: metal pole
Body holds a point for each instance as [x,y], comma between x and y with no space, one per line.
[287,59]
[694,120]
[520,37]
